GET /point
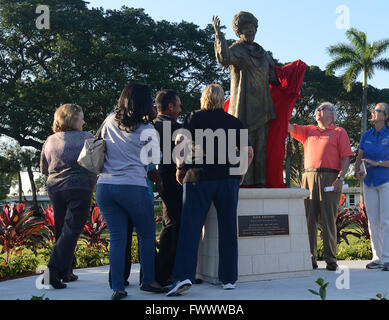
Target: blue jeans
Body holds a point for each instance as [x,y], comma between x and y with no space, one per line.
[118,203]
[197,199]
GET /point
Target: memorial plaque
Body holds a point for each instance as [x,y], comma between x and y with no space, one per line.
[263,225]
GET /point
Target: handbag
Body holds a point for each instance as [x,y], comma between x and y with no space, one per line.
[92,154]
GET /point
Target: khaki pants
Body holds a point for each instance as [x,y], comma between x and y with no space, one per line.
[321,206]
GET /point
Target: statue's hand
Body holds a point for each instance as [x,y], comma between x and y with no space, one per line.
[216,24]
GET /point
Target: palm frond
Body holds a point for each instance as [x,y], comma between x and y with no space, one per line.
[358,38]
[351,75]
[382,64]
[343,50]
[379,47]
[338,63]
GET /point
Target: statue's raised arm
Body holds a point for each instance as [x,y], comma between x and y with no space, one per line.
[222,52]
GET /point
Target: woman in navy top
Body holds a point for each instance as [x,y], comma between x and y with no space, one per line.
[374,152]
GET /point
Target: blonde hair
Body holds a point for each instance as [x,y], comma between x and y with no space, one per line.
[65,117]
[212,97]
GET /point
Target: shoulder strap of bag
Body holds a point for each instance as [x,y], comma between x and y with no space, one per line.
[98,133]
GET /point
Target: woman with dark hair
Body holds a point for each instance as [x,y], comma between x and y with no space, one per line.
[70,189]
[122,191]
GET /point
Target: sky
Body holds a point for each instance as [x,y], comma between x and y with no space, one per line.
[292,30]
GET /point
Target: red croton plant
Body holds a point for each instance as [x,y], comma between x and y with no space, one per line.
[352,221]
[93,230]
[19,228]
[49,215]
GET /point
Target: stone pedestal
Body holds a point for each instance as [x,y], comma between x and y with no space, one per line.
[262,257]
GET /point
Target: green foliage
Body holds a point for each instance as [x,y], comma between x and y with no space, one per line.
[5,184]
[42,297]
[380,297]
[87,257]
[358,249]
[135,250]
[351,181]
[18,228]
[322,289]
[26,262]
[352,221]
[93,230]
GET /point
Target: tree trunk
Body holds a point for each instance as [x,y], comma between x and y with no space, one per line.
[364,109]
[33,187]
[364,117]
[288,160]
[20,187]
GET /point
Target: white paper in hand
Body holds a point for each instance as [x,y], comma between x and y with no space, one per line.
[331,188]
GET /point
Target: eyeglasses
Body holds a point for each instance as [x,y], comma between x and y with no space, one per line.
[329,108]
[378,110]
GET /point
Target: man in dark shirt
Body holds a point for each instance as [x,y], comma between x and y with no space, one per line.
[211,173]
[169,106]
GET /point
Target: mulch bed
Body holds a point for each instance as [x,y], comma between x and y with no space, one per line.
[21,275]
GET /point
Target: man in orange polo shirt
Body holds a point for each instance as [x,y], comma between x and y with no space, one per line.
[327,154]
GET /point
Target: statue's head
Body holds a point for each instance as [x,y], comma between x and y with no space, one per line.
[245,26]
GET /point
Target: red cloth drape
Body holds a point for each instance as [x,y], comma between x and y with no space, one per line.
[284,98]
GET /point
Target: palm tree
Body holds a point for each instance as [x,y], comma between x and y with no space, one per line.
[358,56]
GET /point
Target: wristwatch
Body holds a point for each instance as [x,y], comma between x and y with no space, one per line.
[379,162]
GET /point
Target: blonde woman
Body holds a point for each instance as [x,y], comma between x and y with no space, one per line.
[207,180]
[70,188]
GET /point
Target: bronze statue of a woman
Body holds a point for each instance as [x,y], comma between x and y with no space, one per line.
[252,69]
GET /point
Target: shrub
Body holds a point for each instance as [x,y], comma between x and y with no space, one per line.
[355,249]
[359,250]
[19,229]
[134,250]
[92,232]
[90,256]
[19,264]
[352,221]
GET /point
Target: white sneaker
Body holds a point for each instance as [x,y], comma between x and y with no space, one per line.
[180,287]
[229,286]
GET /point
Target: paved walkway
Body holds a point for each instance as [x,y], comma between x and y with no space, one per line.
[362,284]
